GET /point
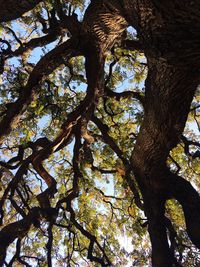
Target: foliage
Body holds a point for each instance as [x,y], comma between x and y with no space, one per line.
[103,217]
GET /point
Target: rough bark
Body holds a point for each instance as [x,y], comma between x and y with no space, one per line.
[169,34]
[14,9]
[170,42]
[167,104]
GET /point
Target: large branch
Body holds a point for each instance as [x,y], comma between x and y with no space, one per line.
[54,58]
[113,145]
[13,9]
[56,29]
[20,228]
[189,199]
[80,115]
[94,65]
[44,67]
[16,230]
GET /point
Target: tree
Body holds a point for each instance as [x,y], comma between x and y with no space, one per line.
[78,140]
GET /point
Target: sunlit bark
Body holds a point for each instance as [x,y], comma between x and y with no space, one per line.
[168,33]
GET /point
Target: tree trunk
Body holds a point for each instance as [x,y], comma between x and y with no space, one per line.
[170,44]
[169,92]
[169,32]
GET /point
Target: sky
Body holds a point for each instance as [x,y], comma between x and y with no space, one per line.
[125,241]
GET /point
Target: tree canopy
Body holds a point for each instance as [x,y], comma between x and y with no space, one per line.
[99,129]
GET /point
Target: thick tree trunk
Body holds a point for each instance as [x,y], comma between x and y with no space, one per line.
[169,92]
[169,32]
[170,43]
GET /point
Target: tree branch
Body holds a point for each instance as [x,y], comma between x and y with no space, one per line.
[44,67]
[13,9]
[132,45]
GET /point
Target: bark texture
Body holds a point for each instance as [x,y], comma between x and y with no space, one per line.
[10,9]
[169,34]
